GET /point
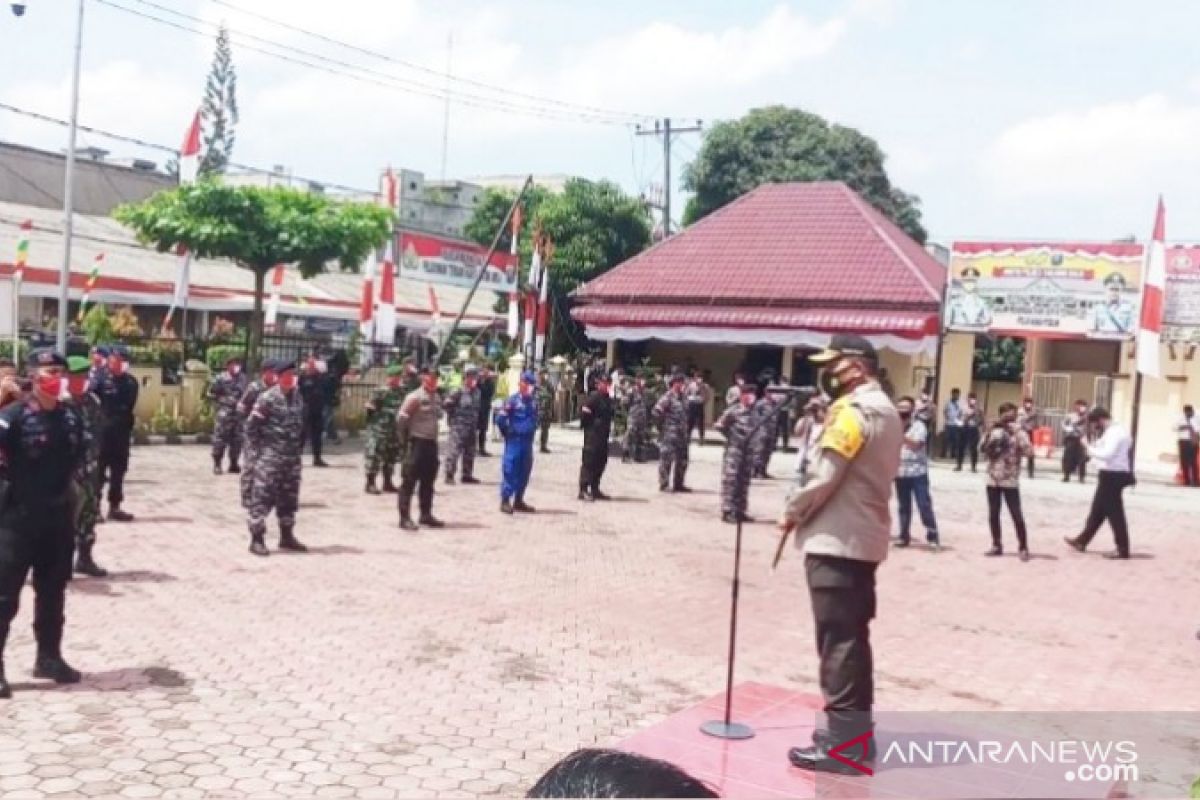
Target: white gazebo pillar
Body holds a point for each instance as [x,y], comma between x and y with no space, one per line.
[610,354]
[789,356]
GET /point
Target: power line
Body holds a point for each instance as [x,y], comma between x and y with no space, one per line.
[357,72]
[117,137]
[427,70]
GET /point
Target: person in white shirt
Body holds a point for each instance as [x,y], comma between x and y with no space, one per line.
[1187,430]
[1113,452]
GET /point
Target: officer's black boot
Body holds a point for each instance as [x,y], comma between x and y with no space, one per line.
[52,666]
[117,515]
[234,468]
[449,479]
[583,494]
[430,521]
[5,689]
[86,565]
[216,466]
[257,544]
[470,479]
[371,487]
[599,495]
[288,540]
[406,520]
[388,485]
[523,507]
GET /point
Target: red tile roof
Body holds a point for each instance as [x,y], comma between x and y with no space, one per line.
[913,324]
[797,245]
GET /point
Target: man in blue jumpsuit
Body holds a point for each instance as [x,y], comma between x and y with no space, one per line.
[517,422]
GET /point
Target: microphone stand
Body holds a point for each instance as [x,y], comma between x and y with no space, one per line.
[726,728]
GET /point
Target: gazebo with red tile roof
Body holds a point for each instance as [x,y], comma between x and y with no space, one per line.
[786,265]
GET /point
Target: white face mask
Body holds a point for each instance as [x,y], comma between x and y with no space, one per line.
[235,370]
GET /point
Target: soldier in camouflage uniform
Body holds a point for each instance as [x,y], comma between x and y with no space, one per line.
[462,411]
[637,418]
[225,393]
[736,424]
[266,380]
[545,403]
[274,432]
[87,479]
[767,434]
[383,446]
[670,413]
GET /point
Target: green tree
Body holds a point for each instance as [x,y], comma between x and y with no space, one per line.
[593,225]
[257,228]
[999,359]
[779,144]
[220,109]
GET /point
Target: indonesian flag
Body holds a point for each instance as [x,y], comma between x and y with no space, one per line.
[189,167]
[514,319]
[543,317]
[385,315]
[535,269]
[1154,282]
[189,154]
[276,290]
[366,308]
[391,189]
[90,286]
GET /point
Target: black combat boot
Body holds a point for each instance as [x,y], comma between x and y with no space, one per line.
[506,507]
[86,565]
[470,479]
[234,469]
[320,462]
[406,520]
[449,479]
[583,494]
[288,540]
[523,507]
[257,546]
[216,466]
[5,689]
[117,515]
[430,521]
[371,488]
[599,495]
[388,485]
[52,666]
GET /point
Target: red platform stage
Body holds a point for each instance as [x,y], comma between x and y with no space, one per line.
[757,768]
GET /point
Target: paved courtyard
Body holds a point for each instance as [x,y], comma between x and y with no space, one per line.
[464,662]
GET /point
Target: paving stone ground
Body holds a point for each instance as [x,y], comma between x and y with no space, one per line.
[464,662]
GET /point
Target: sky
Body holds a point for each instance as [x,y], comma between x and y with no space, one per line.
[1010,120]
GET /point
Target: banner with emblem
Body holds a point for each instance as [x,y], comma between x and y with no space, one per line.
[1181,319]
[1083,291]
[439,259]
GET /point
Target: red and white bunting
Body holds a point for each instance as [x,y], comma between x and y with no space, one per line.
[1154,283]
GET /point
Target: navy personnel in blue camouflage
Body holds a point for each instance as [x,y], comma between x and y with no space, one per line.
[274,432]
[42,444]
[225,393]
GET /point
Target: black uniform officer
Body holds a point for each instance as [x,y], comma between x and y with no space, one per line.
[596,416]
[314,390]
[118,397]
[42,443]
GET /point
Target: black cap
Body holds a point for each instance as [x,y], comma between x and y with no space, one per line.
[678,377]
[120,351]
[47,357]
[283,364]
[845,345]
[1115,280]
[970,272]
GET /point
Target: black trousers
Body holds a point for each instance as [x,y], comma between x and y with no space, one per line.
[1108,505]
[544,435]
[1074,458]
[418,472]
[1187,460]
[695,420]
[485,418]
[950,442]
[114,463]
[1010,496]
[842,591]
[313,433]
[968,444]
[595,460]
[41,540]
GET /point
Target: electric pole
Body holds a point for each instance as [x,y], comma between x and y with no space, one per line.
[664,129]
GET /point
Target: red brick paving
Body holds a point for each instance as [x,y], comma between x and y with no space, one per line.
[465,662]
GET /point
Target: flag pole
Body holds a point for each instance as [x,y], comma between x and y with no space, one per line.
[1133,422]
[479,277]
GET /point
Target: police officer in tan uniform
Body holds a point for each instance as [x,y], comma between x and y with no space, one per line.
[842,521]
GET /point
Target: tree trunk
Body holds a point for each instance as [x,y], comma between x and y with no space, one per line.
[254,340]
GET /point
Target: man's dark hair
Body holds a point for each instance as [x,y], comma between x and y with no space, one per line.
[1081,402]
[1098,414]
[1187,410]
[906,399]
[956,390]
[612,773]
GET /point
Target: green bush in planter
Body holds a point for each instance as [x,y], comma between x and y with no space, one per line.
[218,354]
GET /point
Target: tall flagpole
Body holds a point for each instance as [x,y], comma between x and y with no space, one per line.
[64,278]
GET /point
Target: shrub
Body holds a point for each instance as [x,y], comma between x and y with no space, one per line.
[218,354]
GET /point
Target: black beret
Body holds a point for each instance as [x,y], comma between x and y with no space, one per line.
[47,357]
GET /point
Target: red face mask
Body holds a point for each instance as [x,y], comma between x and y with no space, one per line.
[50,385]
[287,381]
[270,378]
[76,385]
[429,382]
[97,360]
[117,365]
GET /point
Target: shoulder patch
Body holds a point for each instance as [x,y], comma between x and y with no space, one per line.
[843,433]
